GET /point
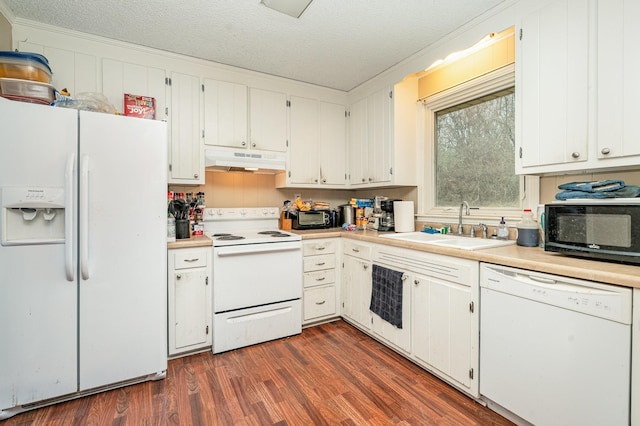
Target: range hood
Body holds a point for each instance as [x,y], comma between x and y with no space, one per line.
[244,160]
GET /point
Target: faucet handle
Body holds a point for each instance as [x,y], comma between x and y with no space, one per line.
[484,230]
[472,231]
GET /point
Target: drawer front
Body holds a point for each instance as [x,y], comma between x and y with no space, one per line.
[319,302]
[326,276]
[355,249]
[313,248]
[190,258]
[316,263]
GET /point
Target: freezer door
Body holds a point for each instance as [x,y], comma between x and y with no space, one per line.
[123,249]
[38,304]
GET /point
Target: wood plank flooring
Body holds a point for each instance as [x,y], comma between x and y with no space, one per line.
[331,374]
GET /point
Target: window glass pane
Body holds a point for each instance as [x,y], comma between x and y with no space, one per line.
[474,148]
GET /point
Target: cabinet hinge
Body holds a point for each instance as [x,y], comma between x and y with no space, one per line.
[346,114]
[207,330]
[520,34]
[471,307]
[202,85]
[471,373]
[520,152]
[289,173]
[390,170]
[166,111]
[202,133]
[170,167]
[371,320]
[289,104]
[391,94]
[287,143]
[167,81]
[206,281]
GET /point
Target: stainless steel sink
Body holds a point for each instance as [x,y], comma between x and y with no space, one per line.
[447,240]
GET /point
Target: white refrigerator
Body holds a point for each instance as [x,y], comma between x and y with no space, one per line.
[82,253]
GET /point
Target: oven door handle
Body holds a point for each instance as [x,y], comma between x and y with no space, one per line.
[256,249]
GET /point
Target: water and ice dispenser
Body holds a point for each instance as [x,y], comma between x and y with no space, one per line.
[32,215]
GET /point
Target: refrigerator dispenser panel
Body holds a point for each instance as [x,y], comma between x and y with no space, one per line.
[32,215]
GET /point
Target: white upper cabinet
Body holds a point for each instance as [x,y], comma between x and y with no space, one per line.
[618,132]
[120,77]
[382,137]
[317,146]
[225,114]
[267,120]
[577,87]
[186,159]
[552,82]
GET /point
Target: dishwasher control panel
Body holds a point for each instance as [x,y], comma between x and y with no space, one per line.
[587,297]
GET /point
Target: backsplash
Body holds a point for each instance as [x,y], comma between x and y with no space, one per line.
[549,184]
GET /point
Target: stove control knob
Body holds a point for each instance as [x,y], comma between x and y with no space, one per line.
[219,212]
[265,212]
[243,212]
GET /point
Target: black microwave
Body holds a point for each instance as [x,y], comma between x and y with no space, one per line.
[606,229]
[314,219]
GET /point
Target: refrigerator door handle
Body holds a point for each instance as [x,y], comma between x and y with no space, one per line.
[68,217]
[84,217]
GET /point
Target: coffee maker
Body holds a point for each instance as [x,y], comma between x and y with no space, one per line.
[387,222]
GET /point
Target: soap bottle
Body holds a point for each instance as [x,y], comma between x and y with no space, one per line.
[502,232]
[527,230]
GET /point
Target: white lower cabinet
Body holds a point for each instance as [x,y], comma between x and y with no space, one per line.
[320,295]
[189,300]
[440,296]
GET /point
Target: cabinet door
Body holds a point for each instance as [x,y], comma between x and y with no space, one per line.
[618,82]
[304,163]
[379,107]
[356,286]
[442,327]
[332,149]
[398,337]
[189,324]
[186,162]
[225,114]
[358,157]
[74,71]
[120,77]
[552,80]
[268,120]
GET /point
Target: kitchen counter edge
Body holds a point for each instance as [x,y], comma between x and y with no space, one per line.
[530,258]
[198,241]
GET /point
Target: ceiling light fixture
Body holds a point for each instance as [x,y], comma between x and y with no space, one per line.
[293,8]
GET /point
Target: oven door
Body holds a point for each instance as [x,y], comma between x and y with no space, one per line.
[605,231]
[256,274]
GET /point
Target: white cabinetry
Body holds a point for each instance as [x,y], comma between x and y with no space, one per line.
[267,120]
[189,312]
[225,114]
[577,91]
[317,152]
[356,283]
[618,84]
[186,159]
[120,77]
[321,289]
[382,137]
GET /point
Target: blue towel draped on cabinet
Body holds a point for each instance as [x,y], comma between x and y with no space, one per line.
[386,294]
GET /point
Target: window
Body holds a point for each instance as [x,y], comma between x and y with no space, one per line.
[469,151]
[474,153]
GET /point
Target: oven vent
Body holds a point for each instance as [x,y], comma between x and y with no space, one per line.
[249,161]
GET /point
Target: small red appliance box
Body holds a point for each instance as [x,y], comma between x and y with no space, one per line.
[139,106]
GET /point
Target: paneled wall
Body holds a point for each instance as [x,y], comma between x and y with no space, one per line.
[5,33]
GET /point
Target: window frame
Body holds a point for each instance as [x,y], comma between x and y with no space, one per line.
[492,82]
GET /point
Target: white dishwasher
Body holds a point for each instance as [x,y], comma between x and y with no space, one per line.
[554,350]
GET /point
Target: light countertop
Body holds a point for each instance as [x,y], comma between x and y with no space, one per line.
[199,241]
[531,258]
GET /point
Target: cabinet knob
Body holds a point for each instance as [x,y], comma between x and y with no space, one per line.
[363,180]
[605,151]
[416,282]
[243,143]
[315,180]
[178,276]
[324,181]
[195,175]
[575,154]
[370,179]
[253,145]
[365,267]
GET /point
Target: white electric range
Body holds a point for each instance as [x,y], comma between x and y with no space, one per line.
[257,277]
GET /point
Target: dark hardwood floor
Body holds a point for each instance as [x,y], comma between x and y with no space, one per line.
[331,374]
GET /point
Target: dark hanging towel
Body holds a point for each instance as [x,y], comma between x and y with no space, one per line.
[386,295]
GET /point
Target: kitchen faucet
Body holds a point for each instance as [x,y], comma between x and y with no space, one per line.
[466,206]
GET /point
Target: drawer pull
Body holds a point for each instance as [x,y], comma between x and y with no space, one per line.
[320,264]
[320,303]
[355,250]
[320,248]
[321,278]
[192,260]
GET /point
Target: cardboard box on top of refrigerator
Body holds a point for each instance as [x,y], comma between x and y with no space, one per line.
[139,106]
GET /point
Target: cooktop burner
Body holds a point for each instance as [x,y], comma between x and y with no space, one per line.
[229,237]
[279,235]
[270,232]
[220,235]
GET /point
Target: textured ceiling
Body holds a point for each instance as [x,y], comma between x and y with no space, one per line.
[335,43]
